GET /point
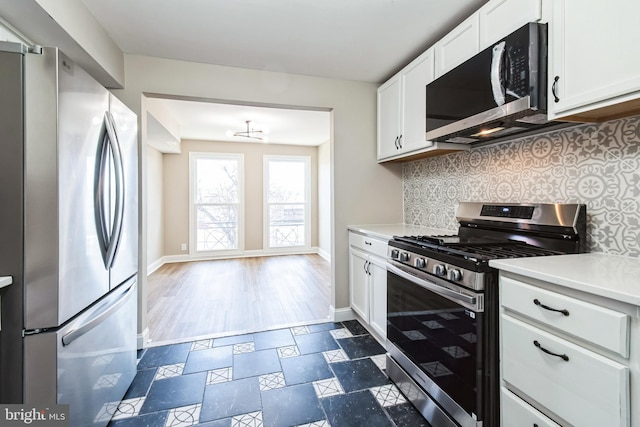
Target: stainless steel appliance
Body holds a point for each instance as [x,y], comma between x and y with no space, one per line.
[498,93]
[442,300]
[69,226]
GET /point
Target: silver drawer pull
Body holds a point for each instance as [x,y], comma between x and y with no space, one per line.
[546,307]
[561,356]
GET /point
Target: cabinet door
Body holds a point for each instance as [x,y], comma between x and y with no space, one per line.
[359,283]
[389,110]
[499,18]
[606,328]
[415,78]
[378,309]
[517,412]
[459,45]
[594,53]
[576,384]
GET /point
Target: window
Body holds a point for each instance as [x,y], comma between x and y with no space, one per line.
[216,202]
[287,200]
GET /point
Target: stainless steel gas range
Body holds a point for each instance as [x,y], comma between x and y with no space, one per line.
[442,300]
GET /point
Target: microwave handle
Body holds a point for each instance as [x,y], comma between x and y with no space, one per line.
[496,63]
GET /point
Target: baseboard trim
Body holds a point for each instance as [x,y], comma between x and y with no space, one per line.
[324,254]
[143,338]
[155,265]
[343,314]
[168,259]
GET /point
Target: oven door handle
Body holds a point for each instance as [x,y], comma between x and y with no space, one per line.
[440,290]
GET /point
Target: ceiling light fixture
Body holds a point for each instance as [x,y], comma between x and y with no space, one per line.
[251,133]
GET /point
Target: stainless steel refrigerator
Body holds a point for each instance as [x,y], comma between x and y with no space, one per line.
[69,236]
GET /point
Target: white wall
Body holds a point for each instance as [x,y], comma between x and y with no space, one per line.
[69,25]
[155,215]
[363,191]
[324,199]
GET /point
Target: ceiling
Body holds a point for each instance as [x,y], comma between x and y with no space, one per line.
[362,40]
[211,121]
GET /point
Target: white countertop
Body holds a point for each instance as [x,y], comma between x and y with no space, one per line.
[5,281]
[609,276]
[387,231]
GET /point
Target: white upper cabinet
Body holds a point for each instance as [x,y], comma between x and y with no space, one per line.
[415,78]
[401,109]
[499,18]
[389,117]
[594,67]
[459,45]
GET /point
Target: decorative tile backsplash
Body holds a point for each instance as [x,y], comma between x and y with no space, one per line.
[598,165]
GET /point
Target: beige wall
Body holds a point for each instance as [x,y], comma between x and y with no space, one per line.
[155,216]
[362,191]
[324,199]
[176,189]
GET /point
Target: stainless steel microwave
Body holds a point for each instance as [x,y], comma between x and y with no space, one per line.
[499,92]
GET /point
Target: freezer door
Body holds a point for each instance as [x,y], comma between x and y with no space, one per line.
[64,270]
[88,364]
[125,262]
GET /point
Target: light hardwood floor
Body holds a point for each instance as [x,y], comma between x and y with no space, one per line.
[223,297]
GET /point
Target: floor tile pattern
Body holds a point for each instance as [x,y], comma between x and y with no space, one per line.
[324,375]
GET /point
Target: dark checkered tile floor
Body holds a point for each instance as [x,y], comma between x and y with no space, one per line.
[325,375]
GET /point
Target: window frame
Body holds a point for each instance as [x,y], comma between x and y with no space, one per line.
[193,238]
[306,160]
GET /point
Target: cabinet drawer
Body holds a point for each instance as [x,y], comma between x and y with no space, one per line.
[369,244]
[586,389]
[601,326]
[517,412]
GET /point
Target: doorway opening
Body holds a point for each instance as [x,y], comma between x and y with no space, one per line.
[238,230]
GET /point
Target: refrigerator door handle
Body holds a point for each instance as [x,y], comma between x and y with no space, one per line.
[118,164]
[100,314]
[99,183]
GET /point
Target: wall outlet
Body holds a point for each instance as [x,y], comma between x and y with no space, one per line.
[184,247]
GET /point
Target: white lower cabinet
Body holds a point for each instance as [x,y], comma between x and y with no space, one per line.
[368,281]
[576,384]
[517,412]
[359,283]
[558,366]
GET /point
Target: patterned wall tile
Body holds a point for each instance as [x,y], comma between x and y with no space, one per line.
[594,164]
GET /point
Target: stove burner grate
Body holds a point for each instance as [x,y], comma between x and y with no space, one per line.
[489,251]
[476,249]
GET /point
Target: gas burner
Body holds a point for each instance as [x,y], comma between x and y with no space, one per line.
[489,251]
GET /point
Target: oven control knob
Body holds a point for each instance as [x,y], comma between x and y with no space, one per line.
[404,257]
[420,263]
[395,253]
[455,275]
[440,270]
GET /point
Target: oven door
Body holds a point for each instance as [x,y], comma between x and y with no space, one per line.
[436,335]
